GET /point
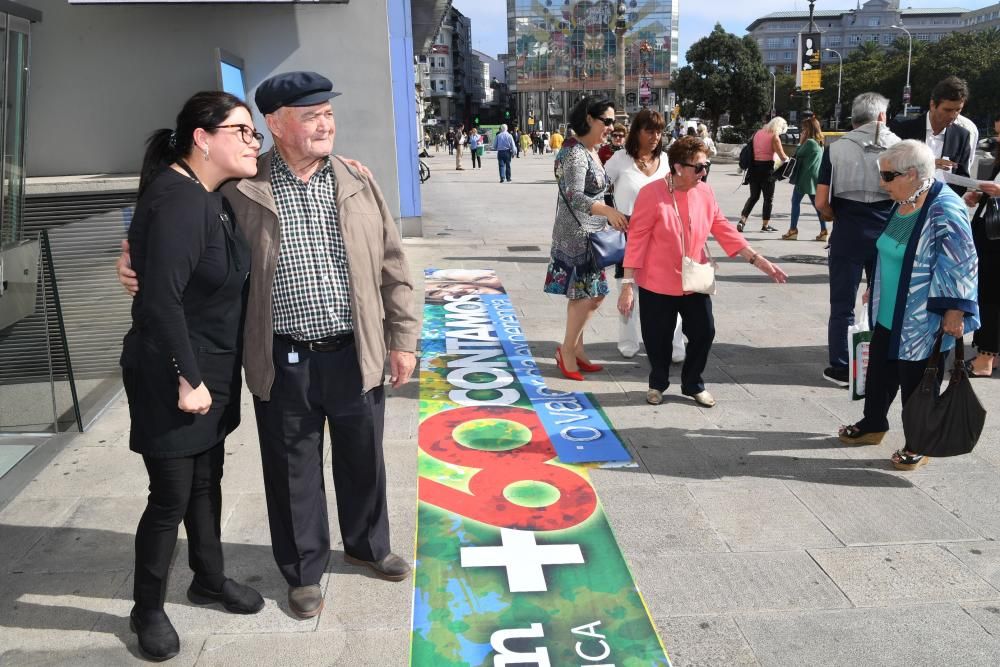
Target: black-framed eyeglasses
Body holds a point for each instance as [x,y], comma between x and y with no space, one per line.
[608,122]
[617,135]
[890,176]
[247,133]
[698,168]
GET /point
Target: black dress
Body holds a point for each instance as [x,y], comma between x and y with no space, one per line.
[192,262]
[987,337]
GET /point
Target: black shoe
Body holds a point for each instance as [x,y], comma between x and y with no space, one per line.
[305,601]
[837,376]
[391,568]
[236,598]
[158,640]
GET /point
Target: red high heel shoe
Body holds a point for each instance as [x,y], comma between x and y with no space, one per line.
[588,367]
[569,375]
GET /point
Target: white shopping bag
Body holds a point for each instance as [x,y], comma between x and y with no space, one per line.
[859,337]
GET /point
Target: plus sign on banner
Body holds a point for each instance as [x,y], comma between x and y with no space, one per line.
[516,563]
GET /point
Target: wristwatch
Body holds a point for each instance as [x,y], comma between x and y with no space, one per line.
[628,281]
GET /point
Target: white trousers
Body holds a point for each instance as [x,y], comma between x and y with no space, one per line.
[629,334]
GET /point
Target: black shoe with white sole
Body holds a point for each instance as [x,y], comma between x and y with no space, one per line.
[837,376]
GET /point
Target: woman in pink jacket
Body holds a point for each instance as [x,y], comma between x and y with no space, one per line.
[667,210]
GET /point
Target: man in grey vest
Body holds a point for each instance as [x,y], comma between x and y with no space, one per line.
[848,192]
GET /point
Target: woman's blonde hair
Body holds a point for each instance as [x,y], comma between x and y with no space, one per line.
[776,125]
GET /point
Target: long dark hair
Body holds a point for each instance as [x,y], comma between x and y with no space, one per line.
[205,110]
[647,119]
[588,106]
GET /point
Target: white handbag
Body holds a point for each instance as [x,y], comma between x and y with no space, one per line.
[695,276]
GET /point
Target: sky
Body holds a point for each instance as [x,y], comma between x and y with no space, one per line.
[489,17]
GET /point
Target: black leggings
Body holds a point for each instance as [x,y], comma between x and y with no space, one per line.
[186,488]
[476,158]
[760,183]
[987,336]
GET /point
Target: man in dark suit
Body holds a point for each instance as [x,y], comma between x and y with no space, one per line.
[937,128]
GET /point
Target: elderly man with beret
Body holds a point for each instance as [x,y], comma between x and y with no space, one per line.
[329,298]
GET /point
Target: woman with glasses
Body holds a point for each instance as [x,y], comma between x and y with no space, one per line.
[807,160]
[580,209]
[924,285]
[987,338]
[766,148]
[181,358]
[672,218]
[615,143]
[629,170]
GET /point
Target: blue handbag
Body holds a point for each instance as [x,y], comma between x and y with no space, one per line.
[606,247]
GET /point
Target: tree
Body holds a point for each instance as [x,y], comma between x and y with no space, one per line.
[724,73]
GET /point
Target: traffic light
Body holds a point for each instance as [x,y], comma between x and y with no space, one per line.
[475,120]
[506,114]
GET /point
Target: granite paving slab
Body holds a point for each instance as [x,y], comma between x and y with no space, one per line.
[983,558]
[754,515]
[938,634]
[902,574]
[688,584]
[705,641]
[972,497]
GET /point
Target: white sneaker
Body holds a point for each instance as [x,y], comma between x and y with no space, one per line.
[654,396]
[628,352]
[704,399]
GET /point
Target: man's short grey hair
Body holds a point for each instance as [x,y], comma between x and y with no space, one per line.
[503,128]
[867,107]
[909,154]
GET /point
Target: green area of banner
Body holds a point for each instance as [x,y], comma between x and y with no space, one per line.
[516,562]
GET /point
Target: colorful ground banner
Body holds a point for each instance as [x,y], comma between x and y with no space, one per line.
[516,563]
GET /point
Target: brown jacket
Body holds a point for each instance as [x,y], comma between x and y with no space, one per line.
[382,306]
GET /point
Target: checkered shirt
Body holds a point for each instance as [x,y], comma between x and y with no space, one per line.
[312,288]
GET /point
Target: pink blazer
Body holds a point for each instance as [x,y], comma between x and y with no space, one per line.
[654,234]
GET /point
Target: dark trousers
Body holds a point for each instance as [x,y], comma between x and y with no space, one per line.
[760,183]
[797,196]
[186,488]
[987,336]
[451,148]
[503,160]
[321,388]
[885,378]
[845,278]
[476,159]
[657,319]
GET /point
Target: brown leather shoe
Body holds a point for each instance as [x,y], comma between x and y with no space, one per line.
[305,601]
[390,568]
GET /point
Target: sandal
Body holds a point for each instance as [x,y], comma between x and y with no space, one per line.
[741,224]
[970,370]
[903,461]
[853,435]
[790,235]
[768,228]
[823,235]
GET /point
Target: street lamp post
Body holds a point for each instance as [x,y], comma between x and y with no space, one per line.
[548,107]
[620,28]
[840,79]
[774,95]
[909,60]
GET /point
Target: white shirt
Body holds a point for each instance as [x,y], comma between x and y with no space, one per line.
[936,143]
[628,179]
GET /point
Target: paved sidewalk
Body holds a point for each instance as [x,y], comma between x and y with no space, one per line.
[754,536]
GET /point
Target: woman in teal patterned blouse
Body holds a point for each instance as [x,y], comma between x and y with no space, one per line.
[925,283]
[580,209]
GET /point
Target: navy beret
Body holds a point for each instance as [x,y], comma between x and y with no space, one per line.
[293,89]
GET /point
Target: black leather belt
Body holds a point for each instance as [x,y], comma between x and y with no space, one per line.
[328,344]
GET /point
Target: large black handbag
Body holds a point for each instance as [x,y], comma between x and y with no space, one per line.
[988,215]
[606,247]
[948,424]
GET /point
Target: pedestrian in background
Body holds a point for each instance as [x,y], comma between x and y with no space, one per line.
[192,261]
[641,162]
[505,150]
[451,141]
[709,144]
[475,143]
[924,286]
[615,143]
[807,160]
[766,149]
[525,142]
[987,337]
[848,189]
[580,209]
[555,141]
[673,218]
[460,141]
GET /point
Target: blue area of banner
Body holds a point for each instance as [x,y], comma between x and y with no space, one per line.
[577,430]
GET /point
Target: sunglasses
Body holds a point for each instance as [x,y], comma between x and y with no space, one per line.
[698,168]
[608,122]
[617,135]
[890,176]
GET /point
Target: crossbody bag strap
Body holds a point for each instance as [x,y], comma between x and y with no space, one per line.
[673,200]
[572,212]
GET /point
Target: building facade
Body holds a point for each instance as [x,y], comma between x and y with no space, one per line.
[846,29]
[979,20]
[561,52]
[455,73]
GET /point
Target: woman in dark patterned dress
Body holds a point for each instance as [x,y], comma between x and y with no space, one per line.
[580,209]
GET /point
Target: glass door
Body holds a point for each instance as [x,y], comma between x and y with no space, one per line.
[15,112]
